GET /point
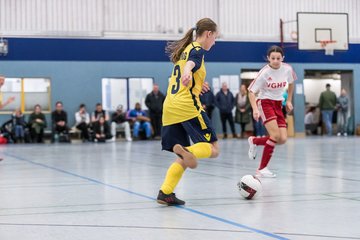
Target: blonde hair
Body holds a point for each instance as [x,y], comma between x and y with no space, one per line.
[175,48]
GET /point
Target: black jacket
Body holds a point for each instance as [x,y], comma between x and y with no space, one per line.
[225,103]
[155,102]
[118,118]
[18,121]
[208,99]
[33,116]
[58,116]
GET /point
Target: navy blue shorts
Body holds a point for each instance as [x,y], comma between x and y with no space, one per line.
[199,129]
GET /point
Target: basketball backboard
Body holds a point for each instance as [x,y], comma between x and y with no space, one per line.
[315,28]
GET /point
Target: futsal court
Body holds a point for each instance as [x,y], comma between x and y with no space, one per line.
[104,59]
[108,191]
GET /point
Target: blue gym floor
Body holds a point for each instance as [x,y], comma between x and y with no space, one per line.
[107,191]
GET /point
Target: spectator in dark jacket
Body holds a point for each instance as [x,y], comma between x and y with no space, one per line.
[99,111]
[101,130]
[18,125]
[225,101]
[37,124]
[59,123]
[208,102]
[154,102]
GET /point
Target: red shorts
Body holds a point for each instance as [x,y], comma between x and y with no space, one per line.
[270,110]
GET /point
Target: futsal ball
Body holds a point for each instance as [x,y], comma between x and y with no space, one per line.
[249,186]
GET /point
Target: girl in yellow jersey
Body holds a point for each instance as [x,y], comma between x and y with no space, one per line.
[183,115]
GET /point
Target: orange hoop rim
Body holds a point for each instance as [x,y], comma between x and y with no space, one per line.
[326,42]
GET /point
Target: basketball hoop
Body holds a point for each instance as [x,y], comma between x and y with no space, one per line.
[328,46]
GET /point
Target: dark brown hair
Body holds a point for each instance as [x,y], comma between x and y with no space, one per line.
[174,49]
[311,109]
[275,48]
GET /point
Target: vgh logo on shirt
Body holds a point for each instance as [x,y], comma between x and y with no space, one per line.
[276,85]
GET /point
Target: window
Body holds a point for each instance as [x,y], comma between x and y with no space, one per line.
[114,92]
[125,91]
[248,75]
[27,92]
[138,89]
[232,81]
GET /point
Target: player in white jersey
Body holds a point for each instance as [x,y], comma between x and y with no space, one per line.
[269,86]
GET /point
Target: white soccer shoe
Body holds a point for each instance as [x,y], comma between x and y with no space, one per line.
[265,173]
[252,149]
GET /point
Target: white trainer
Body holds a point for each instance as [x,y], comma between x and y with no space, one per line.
[252,149]
[265,173]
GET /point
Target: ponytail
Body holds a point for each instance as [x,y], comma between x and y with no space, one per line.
[175,49]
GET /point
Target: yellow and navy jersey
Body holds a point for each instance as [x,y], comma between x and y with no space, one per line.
[182,102]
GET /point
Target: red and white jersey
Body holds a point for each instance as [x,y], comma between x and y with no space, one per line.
[270,83]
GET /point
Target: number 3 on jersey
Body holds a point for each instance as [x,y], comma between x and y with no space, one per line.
[175,88]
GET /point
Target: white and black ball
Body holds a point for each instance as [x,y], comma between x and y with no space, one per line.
[249,187]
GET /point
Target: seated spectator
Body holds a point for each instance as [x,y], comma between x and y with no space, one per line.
[37,124]
[60,130]
[101,130]
[118,120]
[99,111]
[310,123]
[141,121]
[19,125]
[82,122]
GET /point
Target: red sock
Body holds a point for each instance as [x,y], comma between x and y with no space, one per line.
[260,140]
[267,153]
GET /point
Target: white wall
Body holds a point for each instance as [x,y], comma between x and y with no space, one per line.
[155,16]
[314,87]
[51,17]
[259,19]
[163,19]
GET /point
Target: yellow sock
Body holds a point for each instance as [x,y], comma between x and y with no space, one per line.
[172,178]
[200,150]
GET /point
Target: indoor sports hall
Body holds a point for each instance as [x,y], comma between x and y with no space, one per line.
[77,161]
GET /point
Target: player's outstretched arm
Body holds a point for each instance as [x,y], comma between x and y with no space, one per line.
[10,100]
